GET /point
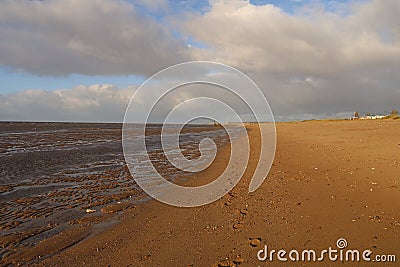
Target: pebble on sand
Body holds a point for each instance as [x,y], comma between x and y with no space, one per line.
[238,260]
[237,226]
[90,210]
[225,263]
[254,242]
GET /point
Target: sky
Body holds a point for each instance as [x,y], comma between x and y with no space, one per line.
[72,60]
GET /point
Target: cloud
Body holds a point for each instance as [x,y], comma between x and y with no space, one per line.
[264,38]
[339,61]
[103,103]
[99,37]
[154,5]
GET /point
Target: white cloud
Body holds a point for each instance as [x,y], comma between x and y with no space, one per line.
[101,37]
[331,54]
[264,38]
[81,103]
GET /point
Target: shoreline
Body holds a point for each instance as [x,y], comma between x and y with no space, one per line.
[80,184]
[318,190]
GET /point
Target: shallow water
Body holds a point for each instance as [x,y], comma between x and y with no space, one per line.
[50,173]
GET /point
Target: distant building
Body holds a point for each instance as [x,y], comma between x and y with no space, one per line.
[356,116]
[372,117]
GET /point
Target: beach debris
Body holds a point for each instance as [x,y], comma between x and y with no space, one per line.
[243,211]
[90,210]
[375,218]
[146,257]
[225,263]
[227,203]
[237,225]
[238,260]
[254,242]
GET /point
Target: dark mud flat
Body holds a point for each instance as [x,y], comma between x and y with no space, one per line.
[31,150]
[50,173]
[61,182]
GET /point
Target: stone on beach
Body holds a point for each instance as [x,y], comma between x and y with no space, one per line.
[226,263]
[254,242]
[238,260]
[90,210]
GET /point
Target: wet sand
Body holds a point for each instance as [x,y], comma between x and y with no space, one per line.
[329,180]
[57,177]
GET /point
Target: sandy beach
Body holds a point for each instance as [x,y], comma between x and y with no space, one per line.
[329,180]
[220,133]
